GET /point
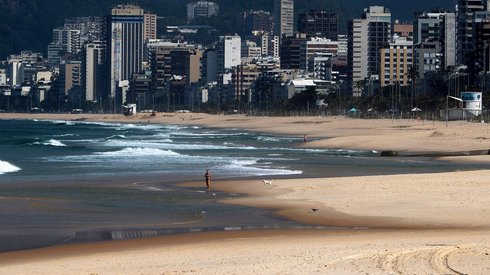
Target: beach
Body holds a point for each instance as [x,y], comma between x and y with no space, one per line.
[433,223]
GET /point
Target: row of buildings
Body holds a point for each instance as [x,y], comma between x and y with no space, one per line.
[102,63]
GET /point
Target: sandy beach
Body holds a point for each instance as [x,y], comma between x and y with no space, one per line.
[434,223]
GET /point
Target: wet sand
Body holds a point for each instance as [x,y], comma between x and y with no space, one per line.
[407,224]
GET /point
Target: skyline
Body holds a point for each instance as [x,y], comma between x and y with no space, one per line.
[25,27]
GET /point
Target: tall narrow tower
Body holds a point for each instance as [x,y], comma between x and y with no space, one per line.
[284,17]
[367,35]
[125,45]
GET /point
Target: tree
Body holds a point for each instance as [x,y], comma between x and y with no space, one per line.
[304,99]
[412,75]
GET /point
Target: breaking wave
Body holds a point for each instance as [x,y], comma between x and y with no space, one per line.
[7,167]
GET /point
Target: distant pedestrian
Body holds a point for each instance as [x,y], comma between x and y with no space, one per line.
[305,138]
[208,180]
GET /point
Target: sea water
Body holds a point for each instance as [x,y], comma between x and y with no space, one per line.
[63,181]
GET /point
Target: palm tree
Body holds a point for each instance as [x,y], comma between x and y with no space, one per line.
[412,75]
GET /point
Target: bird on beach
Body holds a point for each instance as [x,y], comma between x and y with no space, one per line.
[314,209]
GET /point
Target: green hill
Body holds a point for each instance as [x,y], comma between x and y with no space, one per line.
[28,24]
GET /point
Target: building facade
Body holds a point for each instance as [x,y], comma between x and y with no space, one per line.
[94,71]
[319,23]
[465,28]
[367,36]
[125,45]
[284,18]
[396,61]
[257,21]
[201,9]
[150,25]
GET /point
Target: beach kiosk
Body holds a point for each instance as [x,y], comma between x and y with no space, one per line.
[472,103]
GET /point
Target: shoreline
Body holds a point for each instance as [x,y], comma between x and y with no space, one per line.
[406,136]
[413,218]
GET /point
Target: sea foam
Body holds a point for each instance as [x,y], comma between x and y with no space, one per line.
[132,152]
[51,142]
[6,167]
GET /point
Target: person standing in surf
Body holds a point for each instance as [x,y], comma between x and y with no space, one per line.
[208,180]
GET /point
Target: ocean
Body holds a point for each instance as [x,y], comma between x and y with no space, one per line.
[77,181]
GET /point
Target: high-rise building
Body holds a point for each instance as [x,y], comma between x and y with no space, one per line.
[201,9]
[94,71]
[257,21]
[367,36]
[250,50]
[70,76]
[436,28]
[290,52]
[150,22]
[427,58]
[316,46]
[69,39]
[23,67]
[284,18]
[125,46]
[229,53]
[342,40]
[319,23]
[173,58]
[269,44]
[396,61]
[401,29]
[465,28]
[91,28]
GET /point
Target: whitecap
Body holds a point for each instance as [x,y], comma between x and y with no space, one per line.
[249,168]
[133,152]
[268,139]
[116,137]
[67,135]
[7,167]
[51,142]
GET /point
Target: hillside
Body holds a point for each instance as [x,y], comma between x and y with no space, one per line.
[27,24]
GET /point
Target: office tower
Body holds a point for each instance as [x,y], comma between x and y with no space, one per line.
[367,36]
[284,18]
[319,23]
[201,9]
[125,45]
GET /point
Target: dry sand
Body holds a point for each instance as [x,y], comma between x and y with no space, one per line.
[402,224]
